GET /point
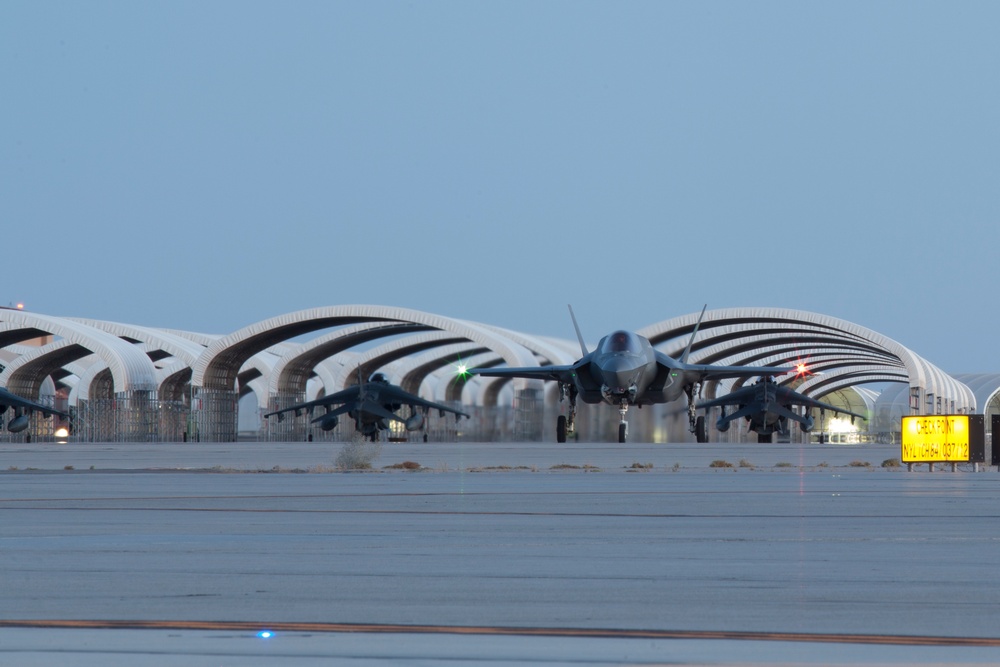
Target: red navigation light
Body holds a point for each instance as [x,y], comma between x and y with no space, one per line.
[802,368]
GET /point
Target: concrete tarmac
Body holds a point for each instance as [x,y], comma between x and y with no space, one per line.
[586,553]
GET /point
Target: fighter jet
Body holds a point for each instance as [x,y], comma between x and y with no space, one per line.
[22,409]
[372,405]
[766,406]
[624,371]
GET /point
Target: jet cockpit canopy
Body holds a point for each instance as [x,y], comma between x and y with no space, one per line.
[621,341]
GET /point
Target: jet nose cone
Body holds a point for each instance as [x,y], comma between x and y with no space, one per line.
[620,372]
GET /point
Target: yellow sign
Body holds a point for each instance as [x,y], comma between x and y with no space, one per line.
[935,438]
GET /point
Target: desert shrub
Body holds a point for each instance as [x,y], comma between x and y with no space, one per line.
[860,464]
[745,464]
[719,463]
[358,454]
[782,464]
[891,463]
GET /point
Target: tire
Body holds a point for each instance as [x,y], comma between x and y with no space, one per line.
[622,431]
[561,429]
[764,439]
[700,432]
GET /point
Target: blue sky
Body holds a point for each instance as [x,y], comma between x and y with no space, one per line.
[206,165]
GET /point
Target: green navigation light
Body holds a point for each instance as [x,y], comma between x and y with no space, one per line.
[462,370]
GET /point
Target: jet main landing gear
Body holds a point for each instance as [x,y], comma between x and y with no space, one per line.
[700,431]
[696,423]
[566,425]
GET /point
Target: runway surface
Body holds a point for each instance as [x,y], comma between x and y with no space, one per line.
[493,554]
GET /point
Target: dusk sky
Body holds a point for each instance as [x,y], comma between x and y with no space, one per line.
[206,165]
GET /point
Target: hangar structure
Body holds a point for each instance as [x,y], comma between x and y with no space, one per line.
[837,354]
[124,382]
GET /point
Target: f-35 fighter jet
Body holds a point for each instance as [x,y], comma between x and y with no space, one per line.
[626,370]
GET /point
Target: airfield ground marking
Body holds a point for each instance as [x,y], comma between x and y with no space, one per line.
[605,633]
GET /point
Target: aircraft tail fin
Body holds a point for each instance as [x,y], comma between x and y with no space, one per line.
[579,336]
[687,350]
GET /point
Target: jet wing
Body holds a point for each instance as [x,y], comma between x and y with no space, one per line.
[347,407]
[785,395]
[553,373]
[350,399]
[9,400]
[344,396]
[745,411]
[782,396]
[371,407]
[377,409]
[710,372]
[394,394]
[738,397]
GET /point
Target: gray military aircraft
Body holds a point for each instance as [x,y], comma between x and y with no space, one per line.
[372,405]
[625,370]
[766,406]
[22,409]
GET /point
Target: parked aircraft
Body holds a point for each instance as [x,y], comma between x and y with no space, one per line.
[625,370]
[372,405]
[22,409]
[766,406]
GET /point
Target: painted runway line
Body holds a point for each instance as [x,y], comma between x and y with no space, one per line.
[603,633]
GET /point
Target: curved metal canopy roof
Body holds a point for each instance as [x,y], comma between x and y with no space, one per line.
[842,354]
[130,367]
[214,368]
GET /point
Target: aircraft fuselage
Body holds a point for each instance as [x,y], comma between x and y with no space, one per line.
[622,368]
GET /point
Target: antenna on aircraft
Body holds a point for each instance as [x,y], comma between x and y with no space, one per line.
[694,333]
[579,336]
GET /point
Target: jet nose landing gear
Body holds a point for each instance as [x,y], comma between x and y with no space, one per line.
[623,426]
